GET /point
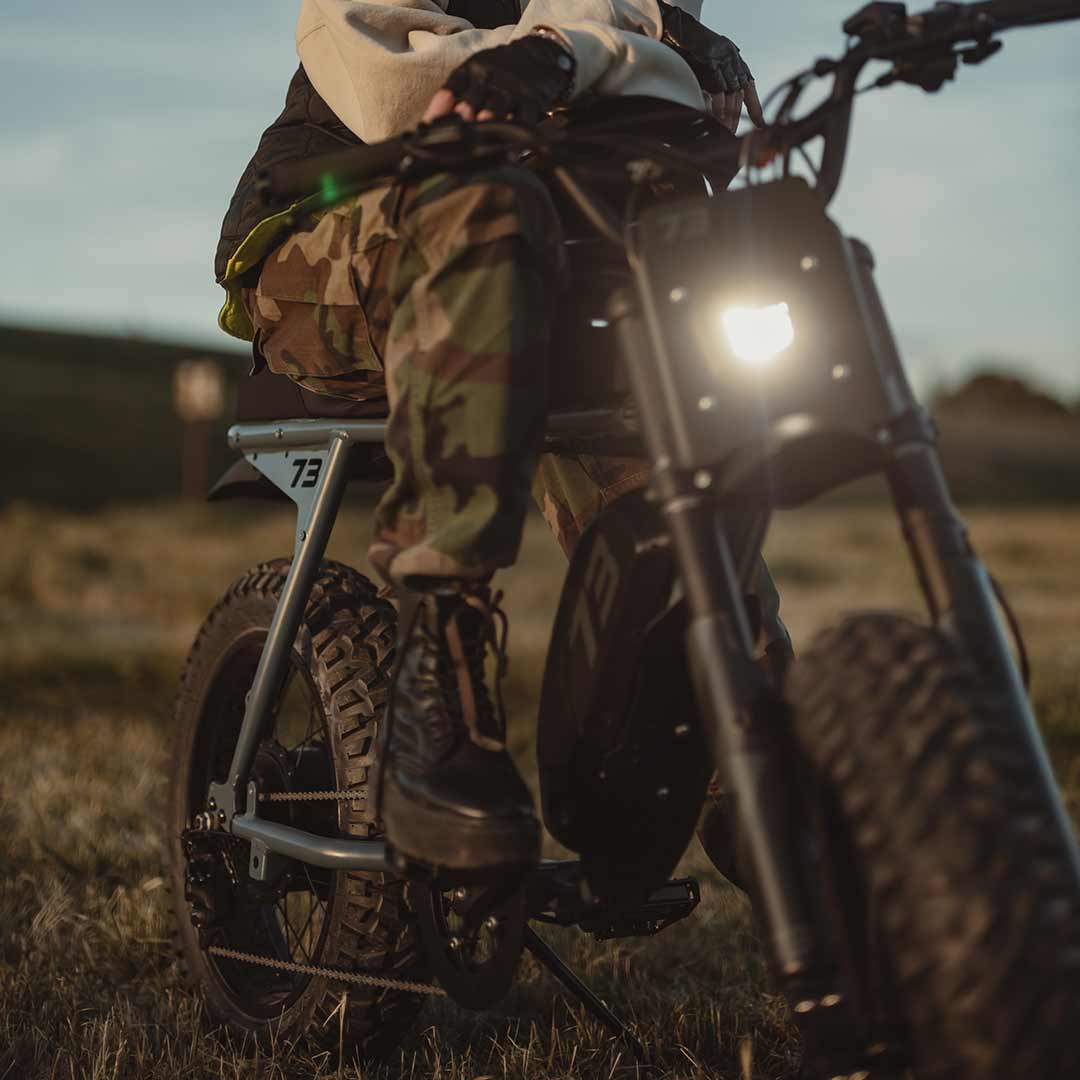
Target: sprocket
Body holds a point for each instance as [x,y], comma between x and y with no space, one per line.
[473,936]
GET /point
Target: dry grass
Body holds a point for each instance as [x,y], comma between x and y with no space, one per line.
[95,615]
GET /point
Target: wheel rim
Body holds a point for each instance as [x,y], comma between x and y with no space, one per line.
[290,921]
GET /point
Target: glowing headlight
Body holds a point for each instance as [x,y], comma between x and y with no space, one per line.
[757,335]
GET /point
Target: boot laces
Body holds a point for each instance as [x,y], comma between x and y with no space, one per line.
[484,626]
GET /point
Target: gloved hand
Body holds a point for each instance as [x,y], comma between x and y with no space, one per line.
[520,81]
[717,63]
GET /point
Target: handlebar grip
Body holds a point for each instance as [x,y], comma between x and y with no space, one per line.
[330,172]
[1031,12]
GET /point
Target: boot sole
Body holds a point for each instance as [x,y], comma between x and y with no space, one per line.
[446,840]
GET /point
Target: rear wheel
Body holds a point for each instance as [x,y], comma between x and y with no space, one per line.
[963,878]
[323,738]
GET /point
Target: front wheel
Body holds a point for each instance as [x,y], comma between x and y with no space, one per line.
[322,738]
[965,880]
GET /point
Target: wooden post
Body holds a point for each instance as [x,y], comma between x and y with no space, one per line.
[199,397]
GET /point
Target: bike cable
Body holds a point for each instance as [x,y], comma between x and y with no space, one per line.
[1014,628]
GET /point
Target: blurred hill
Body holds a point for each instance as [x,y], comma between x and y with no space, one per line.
[86,420]
[1005,441]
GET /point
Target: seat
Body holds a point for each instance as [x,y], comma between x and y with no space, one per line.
[268,396]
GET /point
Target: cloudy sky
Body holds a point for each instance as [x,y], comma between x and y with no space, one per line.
[126,126]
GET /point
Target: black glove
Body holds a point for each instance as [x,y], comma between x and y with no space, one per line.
[715,60]
[521,81]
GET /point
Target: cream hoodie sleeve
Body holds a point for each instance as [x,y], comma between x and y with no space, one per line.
[377,63]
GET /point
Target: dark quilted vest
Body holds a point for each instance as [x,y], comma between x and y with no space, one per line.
[308,127]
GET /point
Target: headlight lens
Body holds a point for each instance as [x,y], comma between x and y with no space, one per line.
[758,335]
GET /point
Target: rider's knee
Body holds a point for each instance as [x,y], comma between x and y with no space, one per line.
[455,210]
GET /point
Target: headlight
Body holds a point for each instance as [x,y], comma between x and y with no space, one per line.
[758,335]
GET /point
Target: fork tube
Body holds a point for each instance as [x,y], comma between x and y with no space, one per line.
[735,702]
[290,609]
[961,599]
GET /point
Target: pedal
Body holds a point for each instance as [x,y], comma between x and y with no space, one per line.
[667,905]
[557,894]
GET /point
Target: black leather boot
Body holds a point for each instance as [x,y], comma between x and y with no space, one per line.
[451,795]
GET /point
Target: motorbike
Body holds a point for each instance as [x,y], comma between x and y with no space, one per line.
[913,872]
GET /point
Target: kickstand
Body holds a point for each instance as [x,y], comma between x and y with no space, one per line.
[593,1005]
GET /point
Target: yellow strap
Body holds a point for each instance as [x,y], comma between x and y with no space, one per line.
[233,317]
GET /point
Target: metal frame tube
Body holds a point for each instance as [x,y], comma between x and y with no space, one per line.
[309,434]
[286,622]
[325,851]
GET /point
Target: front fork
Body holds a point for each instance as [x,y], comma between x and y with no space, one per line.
[740,710]
[961,600]
[738,704]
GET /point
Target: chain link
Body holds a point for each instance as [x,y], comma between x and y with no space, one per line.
[338,974]
[312,796]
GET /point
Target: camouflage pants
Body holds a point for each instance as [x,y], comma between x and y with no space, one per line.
[439,296]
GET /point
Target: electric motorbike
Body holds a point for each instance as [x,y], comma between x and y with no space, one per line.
[914,876]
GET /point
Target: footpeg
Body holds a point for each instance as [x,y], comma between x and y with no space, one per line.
[557,895]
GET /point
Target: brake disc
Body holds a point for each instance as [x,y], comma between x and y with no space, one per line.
[473,936]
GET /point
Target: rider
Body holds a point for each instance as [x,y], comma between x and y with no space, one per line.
[436,297]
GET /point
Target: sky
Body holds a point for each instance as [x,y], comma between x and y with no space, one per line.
[127,125]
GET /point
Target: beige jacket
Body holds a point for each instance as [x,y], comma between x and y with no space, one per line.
[377,63]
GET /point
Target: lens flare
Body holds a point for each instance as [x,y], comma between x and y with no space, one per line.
[758,335]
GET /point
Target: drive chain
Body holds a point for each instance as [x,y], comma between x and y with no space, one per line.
[338,974]
[312,796]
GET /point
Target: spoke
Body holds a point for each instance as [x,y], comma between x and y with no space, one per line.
[278,942]
[302,937]
[283,693]
[285,927]
[291,930]
[311,886]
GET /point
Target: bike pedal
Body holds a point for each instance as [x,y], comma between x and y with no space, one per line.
[669,904]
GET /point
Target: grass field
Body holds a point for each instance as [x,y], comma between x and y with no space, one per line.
[96,613]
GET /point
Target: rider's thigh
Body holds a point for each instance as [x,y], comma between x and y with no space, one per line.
[321,308]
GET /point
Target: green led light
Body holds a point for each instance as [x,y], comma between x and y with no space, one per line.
[328,188]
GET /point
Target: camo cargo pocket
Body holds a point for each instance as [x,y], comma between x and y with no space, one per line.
[320,305]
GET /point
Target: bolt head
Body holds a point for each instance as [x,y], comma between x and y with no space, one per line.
[703,479]
[677,295]
[809,263]
[663,792]
[830,1001]
[841,372]
[806,1006]
[460,893]
[706,404]
[491,923]
[456,942]
[682,730]
[212,803]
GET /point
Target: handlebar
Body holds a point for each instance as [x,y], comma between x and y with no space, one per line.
[924,49]
[1014,13]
